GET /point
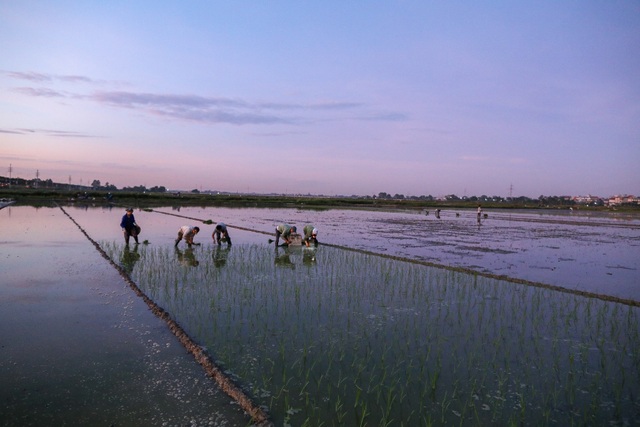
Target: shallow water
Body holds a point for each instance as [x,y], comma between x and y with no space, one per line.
[327,335]
[78,347]
[597,253]
[98,339]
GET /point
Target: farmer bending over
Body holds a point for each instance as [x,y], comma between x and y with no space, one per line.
[285,231]
[221,231]
[187,233]
[310,235]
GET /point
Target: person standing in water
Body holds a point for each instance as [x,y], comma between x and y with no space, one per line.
[129,226]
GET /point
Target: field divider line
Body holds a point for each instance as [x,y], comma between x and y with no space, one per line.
[257,414]
[569,221]
[208,221]
[604,297]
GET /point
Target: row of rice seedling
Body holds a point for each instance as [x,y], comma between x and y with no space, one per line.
[357,339]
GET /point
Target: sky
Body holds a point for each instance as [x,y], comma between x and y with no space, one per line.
[411,97]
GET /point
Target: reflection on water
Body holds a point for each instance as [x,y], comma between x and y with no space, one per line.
[283,257]
[129,258]
[186,257]
[220,255]
[77,346]
[309,256]
[289,256]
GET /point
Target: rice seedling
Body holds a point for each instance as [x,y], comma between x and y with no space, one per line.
[356,339]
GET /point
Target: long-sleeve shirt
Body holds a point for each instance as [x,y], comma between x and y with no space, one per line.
[128,222]
[308,231]
[284,229]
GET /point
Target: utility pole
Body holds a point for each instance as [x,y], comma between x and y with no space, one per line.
[10,170]
[37,177]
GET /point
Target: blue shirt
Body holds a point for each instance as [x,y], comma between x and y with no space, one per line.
[128,221]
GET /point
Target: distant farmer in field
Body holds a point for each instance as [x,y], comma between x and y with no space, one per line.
[187,233]
[479,213]
[285,231]
[310,235]
[221,232]
[129,226]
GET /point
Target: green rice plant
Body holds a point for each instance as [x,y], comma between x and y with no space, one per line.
[357,339]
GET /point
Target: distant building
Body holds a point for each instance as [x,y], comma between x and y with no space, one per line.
[623,200]
[588,200]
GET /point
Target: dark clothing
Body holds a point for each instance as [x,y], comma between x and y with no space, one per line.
[221,231]
[128,221]
[129,227]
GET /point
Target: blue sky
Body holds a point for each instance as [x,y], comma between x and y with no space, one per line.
[333,97]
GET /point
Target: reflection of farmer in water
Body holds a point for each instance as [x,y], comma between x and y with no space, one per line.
[129,258]
[283,258]
[187,257]
[309,256]
[220,255]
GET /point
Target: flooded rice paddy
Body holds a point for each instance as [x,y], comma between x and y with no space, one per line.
[332,336]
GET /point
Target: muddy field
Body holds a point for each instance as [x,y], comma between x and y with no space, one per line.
[77,346]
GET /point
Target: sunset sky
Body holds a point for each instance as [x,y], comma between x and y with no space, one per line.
[328,97]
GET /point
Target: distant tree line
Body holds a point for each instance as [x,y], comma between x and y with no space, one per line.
[96,185]
[542,200]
